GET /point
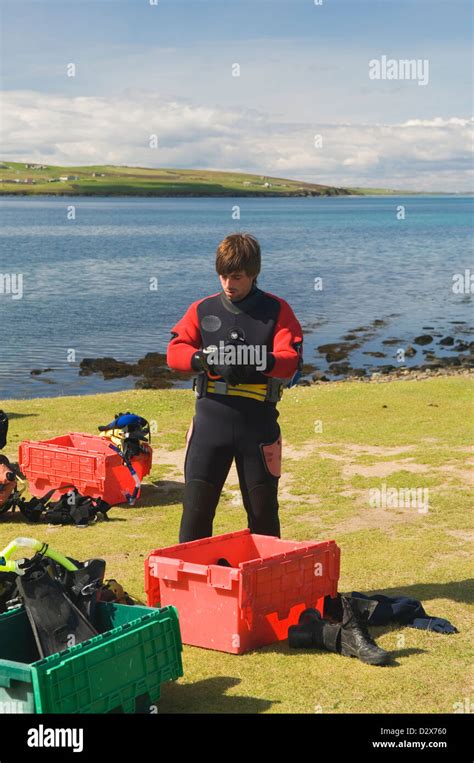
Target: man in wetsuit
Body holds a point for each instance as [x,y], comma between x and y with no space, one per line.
[245,345]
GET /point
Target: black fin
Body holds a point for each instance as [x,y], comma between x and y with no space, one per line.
[84,585]
[56,622]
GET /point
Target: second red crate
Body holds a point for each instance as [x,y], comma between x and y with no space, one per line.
[83,460]
[251,602]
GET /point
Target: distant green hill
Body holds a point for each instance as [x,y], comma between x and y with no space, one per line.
[20,178]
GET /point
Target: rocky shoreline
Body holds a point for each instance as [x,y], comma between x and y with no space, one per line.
[163,378]
[401,374]
[152,372]
[423,346]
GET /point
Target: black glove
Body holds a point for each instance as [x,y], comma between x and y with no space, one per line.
[199,362]
[237,374]
[226,371]
[242,374]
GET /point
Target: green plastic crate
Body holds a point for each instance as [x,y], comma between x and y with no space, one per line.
[120,670]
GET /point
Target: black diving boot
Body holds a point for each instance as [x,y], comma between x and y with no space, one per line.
[355,638]
[349,638]
[312,632]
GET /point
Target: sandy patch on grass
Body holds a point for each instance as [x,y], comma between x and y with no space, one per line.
[465,535]
[377,519]
[365,517]
[378,450]
[308,449]
[331,456]
[116,558]
[165,457]
[348,450]
[465,475]
[383,468]
[380,469]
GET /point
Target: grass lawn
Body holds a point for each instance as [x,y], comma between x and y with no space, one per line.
[410,434]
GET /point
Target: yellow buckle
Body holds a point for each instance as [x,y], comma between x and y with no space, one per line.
[254,391]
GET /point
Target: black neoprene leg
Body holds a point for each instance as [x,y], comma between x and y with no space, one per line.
[199,508]
[208,460]
[263,509]
[259,487]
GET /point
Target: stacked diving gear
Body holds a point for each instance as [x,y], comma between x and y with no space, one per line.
[350,638]
[71,509]
[58,593]
[57,623]
[55,619]
[129,435]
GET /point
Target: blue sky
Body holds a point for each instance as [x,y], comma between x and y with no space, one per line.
[167,70]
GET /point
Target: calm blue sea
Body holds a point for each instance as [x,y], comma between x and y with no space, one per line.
[86,282]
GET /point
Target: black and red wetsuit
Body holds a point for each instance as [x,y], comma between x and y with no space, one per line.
[225,427]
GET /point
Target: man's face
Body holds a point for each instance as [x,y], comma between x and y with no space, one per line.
[237,285]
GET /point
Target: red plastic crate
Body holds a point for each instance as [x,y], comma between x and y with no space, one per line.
[83,460]
[253,602]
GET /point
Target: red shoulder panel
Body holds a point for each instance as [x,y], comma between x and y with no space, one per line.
[288,333]
[186,339]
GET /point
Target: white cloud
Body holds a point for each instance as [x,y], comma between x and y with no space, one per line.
[418,154]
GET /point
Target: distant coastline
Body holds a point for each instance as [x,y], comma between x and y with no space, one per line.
[30,179]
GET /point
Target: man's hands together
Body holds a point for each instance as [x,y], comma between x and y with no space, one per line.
[232,374]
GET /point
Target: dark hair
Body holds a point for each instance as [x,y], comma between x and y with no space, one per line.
[239,251]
